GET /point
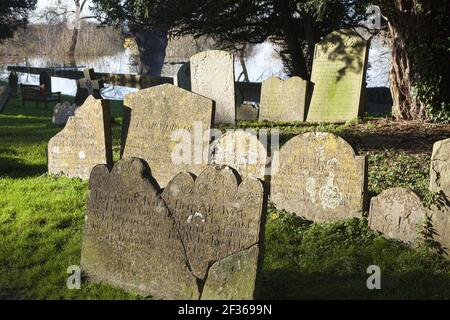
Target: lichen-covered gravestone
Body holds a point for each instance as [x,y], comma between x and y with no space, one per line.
[246,112]
[62,112]
[284,100]
[242,151]
[212,76]
[338,74]
[169,128]
[130,240]
[220,223]
[440,167]
[84,142]
[5,94]
[397,213]
[319,177]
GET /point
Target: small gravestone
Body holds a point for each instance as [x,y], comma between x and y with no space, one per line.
[440,167]
[5,94]
[130,240]
[84,142]
[284,100]
[246,112]
[338,73]
[440,221]
[169,128]
[88,86]
[398,213]
[183,77]
[62,112]
[212,76]
[220,223]
[318,176]
[242,151]
[13,82]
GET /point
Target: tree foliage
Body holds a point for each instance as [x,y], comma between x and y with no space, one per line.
[13,15]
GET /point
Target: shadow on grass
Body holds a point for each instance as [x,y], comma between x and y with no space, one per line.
[15,168]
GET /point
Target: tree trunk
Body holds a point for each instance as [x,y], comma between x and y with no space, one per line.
[402,74]
[73,47]
[152,51]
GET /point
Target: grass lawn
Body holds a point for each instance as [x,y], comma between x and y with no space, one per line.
[41,219]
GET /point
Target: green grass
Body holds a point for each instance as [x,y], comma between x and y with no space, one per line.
[41,222]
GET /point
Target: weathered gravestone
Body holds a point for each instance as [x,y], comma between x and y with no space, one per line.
[5,94]
[13,82]
[88,86]
[169,128]
[84,142]
[338,73]
[319,177]
[397,213]
[284,100]
[440,167]
[62,112]
[220,222]
[242,151]
[183,77]
[440,222]
[246,112]
[130,239]
[212,76]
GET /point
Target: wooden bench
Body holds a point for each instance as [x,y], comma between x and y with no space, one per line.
[41,93]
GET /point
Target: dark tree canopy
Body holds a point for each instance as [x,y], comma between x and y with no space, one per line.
[14,15]
[296,24]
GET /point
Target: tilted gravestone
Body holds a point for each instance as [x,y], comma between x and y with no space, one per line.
[397,213]
[88,86]
[212,76]
[62,112]
[246,112]
[242,151]
[440,167]
[200,238]
[169,128]
[130,240]
[5,94]
[338,73]
[84,142]
[220,223]
[284,100]
[319,177]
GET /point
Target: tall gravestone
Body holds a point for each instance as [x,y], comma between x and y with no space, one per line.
[440,167]
[169,128]
[397,213]
[88,86]
[130,240]
[200,238]
[242,151]
[319,177]
[284,100]
[212,76]
[220,223]
[13,82]
[5,94]
[338,73]
[84,142]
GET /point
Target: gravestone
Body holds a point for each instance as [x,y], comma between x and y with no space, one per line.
[284,100]
[397,213]
[88,86]
[242,151]
[246,112]
[440,167]
[62,112]
[440,221]
[84,142]
[212,76]
[5,94]
[183,77]
[130,240]
[338,73]
[220,223]
[45,82]
[169,128]
[319,177]
[13,82]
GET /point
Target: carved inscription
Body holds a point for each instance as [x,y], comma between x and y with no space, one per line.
[319,177]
